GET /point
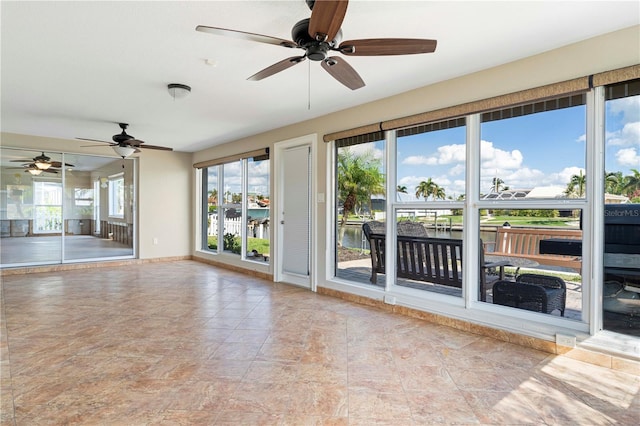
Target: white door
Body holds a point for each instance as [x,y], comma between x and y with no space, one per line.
[294,212]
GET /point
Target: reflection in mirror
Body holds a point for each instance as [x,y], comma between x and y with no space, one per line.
[44,222]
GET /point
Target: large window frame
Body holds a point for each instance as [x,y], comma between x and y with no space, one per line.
[116,196]
[469,306]
[233,240]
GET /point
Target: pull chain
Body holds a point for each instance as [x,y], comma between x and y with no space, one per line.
[309,85]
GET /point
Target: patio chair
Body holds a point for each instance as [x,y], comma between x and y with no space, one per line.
[408,228]
[554,287]
[522,295]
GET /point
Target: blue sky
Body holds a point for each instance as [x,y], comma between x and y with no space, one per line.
[543,149]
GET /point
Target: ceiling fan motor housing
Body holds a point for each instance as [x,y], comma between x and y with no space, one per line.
[316,50]
[123,136]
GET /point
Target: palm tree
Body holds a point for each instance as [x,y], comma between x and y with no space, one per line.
[612,181]
[425,188]
[359,177]
[497,184]
[402,189]
[428,189]
[576,185]
[632,184]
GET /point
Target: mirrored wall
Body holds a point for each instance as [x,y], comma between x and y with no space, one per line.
[65,208]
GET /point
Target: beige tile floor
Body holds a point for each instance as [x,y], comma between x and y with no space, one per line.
[185,343]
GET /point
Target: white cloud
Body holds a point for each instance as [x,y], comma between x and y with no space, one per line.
[418,160]
[457,170]
[628,157]
[629,107]
[447,154]
[498,159]
[363,148]
[629,135]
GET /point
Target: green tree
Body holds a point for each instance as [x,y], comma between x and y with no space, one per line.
[632,184]
[612,182]
[576,186]
[359,177]
[498,185]
[402,189]
[428,189]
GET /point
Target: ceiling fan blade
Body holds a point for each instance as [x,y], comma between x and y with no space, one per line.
[276,68]
[22,161]
[133,142]
[343,72]
[58,164]
[242,35]
[95,140]
[163,148]
[326,19]
[387,46]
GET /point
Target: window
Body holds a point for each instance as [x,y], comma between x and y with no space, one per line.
[236,207]
[116,196]
[360,198]
[534,151]
[529,168]
[431,162]
[532,191]
[621,257]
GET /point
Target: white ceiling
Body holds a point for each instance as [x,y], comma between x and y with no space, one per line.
[75,69]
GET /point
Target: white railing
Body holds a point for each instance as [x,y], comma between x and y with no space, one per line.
[234,226]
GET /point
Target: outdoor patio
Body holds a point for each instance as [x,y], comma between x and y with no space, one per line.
[359,271]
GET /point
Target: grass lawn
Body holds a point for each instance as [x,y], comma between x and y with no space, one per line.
[259,244]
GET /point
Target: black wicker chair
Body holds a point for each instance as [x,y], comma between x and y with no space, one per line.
[554,287]
[522,295]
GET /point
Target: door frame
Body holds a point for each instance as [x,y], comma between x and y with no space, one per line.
[311,141]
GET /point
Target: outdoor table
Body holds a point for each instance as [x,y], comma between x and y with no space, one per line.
[517,262]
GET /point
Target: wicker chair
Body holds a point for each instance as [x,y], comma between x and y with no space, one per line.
[522,295]
[554,287]
[407,228]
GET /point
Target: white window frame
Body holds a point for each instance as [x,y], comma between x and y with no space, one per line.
[116,196]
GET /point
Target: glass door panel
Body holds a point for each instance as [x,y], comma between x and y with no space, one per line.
[54,207]
[31,208]
[93,228]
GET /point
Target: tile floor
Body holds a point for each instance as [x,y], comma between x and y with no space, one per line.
[185,343]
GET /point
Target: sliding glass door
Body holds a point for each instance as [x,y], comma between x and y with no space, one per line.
[58,208]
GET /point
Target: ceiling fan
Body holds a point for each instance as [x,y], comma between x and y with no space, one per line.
[124,144]
[320,35]
[41,163]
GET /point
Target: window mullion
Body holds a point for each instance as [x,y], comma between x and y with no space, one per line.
[470,218]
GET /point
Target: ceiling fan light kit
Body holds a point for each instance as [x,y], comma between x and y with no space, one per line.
[178,91]
[34,172]
[41,163]
[320,35]
[124,144]
[124,151]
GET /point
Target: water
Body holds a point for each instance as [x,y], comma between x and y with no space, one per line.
[258,213]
